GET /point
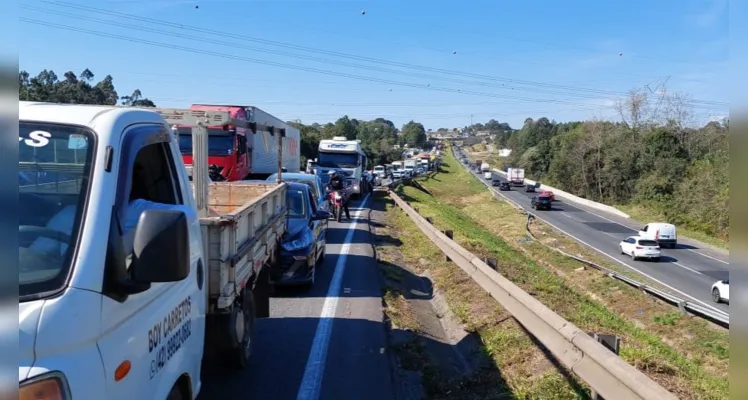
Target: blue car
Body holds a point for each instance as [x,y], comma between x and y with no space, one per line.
[303,243]
[313,181]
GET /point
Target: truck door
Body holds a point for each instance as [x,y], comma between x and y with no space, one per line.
[156,334]
[242,157]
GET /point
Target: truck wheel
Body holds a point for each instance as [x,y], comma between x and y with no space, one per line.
[242,323]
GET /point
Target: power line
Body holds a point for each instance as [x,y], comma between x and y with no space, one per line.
[288,66]
[268,83]
[323,60]
[474,55]
[224,35]
[543,43]
[158,44]
[408,114]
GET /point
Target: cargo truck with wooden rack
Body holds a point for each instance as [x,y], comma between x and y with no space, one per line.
[138,289]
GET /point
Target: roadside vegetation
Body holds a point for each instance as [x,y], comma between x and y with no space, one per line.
[686,355]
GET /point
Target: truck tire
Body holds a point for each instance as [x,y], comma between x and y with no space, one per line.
[241,330]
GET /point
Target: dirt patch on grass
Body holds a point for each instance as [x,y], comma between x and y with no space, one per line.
[687,355]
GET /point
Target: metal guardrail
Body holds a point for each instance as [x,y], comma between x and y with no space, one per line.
[604,371]
[687,307]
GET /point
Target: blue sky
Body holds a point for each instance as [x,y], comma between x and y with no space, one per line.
[452,59]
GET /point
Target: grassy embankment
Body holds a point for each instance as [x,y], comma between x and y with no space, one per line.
[684,354]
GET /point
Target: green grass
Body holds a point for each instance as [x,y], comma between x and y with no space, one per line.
[520,370]
[693,370]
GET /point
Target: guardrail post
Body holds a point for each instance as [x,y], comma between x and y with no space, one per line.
[682,307]
[610,342]
[493,263]
[430,220]
[448,233]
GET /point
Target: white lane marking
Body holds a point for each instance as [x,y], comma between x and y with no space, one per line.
[684,267]
[631,267]
[636,230]
[315,365]
[636,269]
[568,203]
[708,256]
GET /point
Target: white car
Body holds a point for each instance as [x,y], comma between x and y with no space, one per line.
[638,247]
[721,291]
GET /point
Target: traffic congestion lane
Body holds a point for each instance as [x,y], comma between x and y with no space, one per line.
[687,274]
[321,343]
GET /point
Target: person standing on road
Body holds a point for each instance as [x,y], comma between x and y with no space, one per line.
[336,183]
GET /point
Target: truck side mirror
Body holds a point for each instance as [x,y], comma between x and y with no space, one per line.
[161,248]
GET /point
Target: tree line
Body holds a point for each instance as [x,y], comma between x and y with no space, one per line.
[655,158]
[75,89]
[380,138]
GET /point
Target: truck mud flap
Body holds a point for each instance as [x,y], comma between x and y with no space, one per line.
[262,291]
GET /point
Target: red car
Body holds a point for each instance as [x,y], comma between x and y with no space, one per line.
[549,194]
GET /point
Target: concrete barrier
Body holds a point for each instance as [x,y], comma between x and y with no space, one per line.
[576,199]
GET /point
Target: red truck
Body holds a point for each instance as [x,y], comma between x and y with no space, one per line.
[236,152]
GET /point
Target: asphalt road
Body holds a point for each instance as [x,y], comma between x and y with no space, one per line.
[688,270]
[325,343]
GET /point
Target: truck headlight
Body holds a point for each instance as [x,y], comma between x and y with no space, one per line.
[50,386]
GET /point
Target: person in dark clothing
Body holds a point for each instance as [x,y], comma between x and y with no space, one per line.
[337,183]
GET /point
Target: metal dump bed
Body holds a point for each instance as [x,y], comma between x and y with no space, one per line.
[240,234]
[241,221]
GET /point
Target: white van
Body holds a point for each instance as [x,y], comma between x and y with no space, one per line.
[661,232]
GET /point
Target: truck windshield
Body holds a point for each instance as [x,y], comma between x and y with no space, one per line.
[219,144]
[54,169]
[337,160]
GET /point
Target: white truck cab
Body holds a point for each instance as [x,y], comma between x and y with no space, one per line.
[115,282]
